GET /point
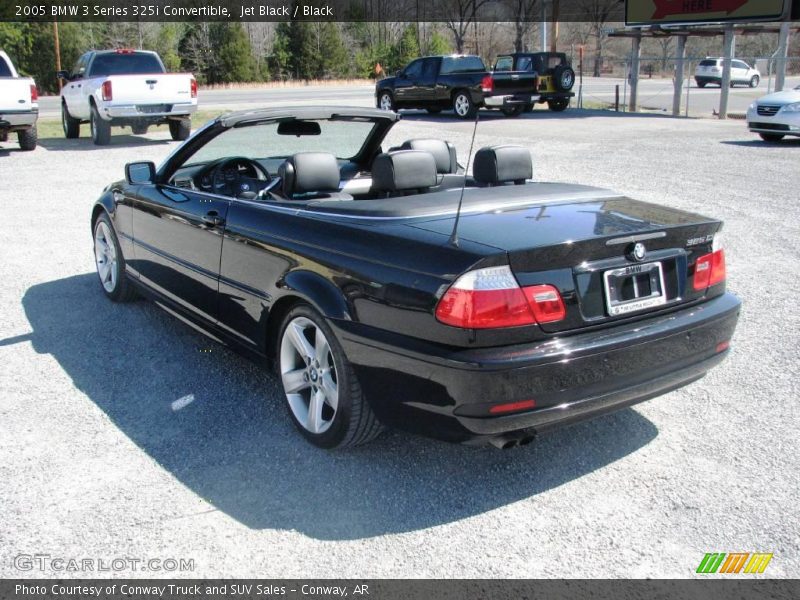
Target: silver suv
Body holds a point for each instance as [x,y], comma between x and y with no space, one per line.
[710,71]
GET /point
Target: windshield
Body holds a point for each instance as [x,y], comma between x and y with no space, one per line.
[136,63]
[342,137]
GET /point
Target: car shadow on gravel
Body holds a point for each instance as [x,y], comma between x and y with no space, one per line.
[216,422]
[786,143]
[117,141]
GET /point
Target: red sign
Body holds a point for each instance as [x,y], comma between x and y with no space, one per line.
[666,8]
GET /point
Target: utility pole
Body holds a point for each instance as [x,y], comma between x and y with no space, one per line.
[783,52]
[57,46]
[636,53]
[677,83]
[543,25]
[726,72]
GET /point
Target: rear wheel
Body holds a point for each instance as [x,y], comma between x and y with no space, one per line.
[180,129]
[771,137]
[701,84]
[322,393]
[754,80]
[110,263]
[513,111]
[385,101]
[101,130]
[71,126]
[558,104]
[28,138]
[529,107]
[463,105]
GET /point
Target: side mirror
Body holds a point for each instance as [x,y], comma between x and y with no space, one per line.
[140,173]
[399,73]
[63,75]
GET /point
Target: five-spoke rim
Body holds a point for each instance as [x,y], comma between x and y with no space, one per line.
[105,256]
[309,375]
[386,102]
[462,105]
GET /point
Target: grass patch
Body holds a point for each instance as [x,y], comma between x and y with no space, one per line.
[50,128]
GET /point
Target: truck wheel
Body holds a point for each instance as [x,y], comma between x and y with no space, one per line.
[771,137]
[385,101]
[139,129]
[101,130]
[322,392]
[180,129]
[701,84]
[71,126]
[463,105]
[28,138]
[558,104]
[513,111]
[529,107]
[564,78]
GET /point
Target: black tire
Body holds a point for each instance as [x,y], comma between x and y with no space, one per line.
[353,422]
[122,290]
[771,137]
[701,84]
[71,126]
[528,107]
[563,78]
[386,101]
[433,111]
[180,130]
[28,138]
[463,105]
[558,104]
[101,130]
[754,81]
[512,111]
[139,129]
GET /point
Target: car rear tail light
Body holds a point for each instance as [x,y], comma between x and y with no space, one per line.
[487,84]
[709,270]
[108,93]
[491,298]
[34,93]
[722,346]
[193,87]
[512,407]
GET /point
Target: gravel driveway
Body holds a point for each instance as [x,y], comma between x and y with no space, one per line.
[97,461]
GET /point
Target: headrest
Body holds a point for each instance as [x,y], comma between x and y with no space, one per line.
[403,170]
[443,152]
[308,173]
[500,164]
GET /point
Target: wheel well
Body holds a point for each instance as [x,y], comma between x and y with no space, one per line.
[96,212]
[277,313]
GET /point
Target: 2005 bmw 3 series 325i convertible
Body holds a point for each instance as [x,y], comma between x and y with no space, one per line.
[295,236]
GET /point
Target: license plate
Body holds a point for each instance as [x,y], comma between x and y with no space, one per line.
[634,288]
[149,109]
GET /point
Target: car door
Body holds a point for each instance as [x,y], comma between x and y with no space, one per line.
[73,89]
[427,80]
[406,84]
[177,245]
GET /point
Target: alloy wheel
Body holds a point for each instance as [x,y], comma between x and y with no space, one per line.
[105,256]
[462,105]
[308,373]
[386,102]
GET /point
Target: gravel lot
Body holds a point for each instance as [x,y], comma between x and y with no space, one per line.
[95,462]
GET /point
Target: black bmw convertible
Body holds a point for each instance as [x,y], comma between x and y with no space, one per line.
[395,287]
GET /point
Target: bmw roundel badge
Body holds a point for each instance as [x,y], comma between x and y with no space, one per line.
[639,252]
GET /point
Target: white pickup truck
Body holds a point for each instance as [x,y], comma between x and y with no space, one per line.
[19,105]
[125,88]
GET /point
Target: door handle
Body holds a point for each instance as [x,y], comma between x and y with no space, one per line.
[212,219]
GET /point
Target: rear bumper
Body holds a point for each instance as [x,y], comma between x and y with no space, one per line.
[509,100]
[448,394]
[18,119]
[134,112]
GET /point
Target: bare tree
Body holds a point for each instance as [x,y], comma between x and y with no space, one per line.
[597,14]
[524,12]
[464,12]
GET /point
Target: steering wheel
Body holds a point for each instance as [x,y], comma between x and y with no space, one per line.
[240,177]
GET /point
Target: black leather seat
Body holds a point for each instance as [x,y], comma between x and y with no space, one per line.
[403,172]
[500,165]
[311,175]
[444,153]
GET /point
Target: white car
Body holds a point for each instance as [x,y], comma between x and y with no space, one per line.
[19,105]
[775,115]
[709,70]
[125,88]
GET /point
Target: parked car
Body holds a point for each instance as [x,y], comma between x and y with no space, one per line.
[19,105]
[775,115]
[125,88]
[555,77]
[342,266]
[458,82]
[709,70]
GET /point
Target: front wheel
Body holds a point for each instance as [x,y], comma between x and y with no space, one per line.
[180,129]
[754,80]
[110,263]
[385,101]
[771,137]
[558,105]
[322,393]
[101,130]
[463,105]
[28,138]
